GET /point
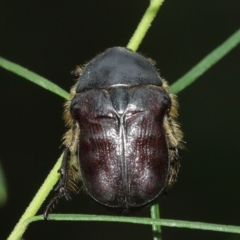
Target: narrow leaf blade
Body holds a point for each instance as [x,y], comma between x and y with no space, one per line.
[33,77]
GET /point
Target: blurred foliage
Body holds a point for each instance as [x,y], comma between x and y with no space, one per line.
[3,189]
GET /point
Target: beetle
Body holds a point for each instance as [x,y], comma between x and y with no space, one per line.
[123,140]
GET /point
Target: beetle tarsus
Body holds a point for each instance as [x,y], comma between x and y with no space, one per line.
[52,203]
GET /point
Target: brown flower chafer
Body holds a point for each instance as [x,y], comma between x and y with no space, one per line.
[123,140]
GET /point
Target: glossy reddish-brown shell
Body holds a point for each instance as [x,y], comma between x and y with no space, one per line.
[120,107]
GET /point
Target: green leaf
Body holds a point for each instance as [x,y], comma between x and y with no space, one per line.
[206,63]
[33,77]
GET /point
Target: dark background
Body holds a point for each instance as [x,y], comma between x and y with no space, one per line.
[51,38]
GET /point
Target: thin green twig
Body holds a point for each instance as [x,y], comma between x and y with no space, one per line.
[206,63]
[138,220]
[37,201]
[33,77]
[155,214]
[144,24]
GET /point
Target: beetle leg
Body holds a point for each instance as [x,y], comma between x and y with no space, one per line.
[61,188]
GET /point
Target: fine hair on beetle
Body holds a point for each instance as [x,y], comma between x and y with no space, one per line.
[123,140]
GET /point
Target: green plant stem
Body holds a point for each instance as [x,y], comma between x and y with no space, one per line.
[37,201]
[144,24]
[206,63]
[33,77]
[155,214]
[138,220]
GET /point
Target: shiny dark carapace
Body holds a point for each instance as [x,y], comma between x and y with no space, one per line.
[120,126]
[120,108]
